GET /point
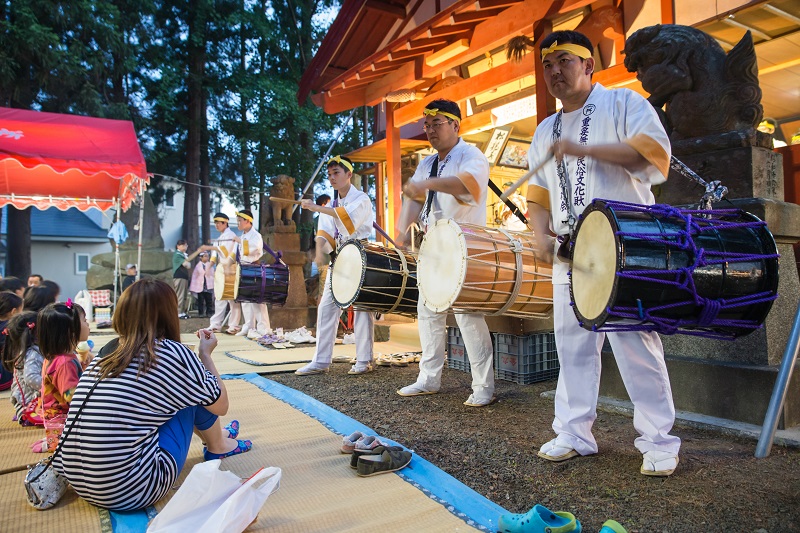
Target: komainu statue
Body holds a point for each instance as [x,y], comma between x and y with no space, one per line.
[282,187]
[706,92]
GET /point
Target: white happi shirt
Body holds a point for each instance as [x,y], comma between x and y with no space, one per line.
[226,246]
[608,116]
[469,165]
[353,220]
[251,246]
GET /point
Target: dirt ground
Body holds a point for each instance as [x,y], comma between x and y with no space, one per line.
[719,485]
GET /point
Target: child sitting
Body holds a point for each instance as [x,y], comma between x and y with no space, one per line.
[10,304]
[22,357]
[61,328]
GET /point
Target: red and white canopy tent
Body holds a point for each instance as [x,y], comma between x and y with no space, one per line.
[62,161]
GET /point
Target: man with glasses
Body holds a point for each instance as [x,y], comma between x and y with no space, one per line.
[224,255]
[449,185]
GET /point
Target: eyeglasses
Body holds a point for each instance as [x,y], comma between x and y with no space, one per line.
[435,125]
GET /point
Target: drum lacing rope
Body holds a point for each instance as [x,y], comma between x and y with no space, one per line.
[517,248]
[405,279]
[683,279]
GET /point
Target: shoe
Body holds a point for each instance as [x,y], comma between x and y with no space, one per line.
[658,464]
[310,369]
[349,442]
[233,429]
[378,450]
[367,443]
[557,451]
[473,402]
[388,461]
[538,520]
[242,332]
[415,390]
[612,526]
[360,368]
[343,359]
[216,330]
[232,330]
[253,334]
[244,446]
[349,338]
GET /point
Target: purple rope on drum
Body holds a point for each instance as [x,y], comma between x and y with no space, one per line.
[696,223]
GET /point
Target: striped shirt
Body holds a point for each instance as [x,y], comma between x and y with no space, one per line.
[111,457]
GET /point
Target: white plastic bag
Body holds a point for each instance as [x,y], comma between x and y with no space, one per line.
[84,299]
[214,501]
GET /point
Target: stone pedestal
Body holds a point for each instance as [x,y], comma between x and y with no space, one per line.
[747,172]
[734,379]
[285,239]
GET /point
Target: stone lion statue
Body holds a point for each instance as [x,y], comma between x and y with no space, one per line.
[706,91]
[282,187]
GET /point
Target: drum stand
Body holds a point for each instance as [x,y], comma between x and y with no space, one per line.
[779,392]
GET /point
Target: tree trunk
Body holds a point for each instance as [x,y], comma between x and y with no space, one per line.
[18,251]
[243,129]
[205,191]
[197,61]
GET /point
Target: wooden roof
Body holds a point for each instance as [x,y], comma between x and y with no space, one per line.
[353,69]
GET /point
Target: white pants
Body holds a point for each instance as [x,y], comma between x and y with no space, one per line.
[328,314]
[477,341]
[256,317]
[220,308]
[640,359]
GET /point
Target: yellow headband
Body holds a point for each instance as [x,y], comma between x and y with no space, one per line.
[433,112]
[245,216]
[220,219]
[578,50]
[343,162]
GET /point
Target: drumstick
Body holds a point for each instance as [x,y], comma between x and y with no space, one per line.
[517,184]
[286,200]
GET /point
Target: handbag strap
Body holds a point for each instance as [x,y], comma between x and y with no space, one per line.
[66,433]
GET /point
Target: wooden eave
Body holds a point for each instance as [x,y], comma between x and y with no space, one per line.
[487,25]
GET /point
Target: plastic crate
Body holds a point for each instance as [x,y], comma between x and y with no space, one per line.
[525,359]
[456,351]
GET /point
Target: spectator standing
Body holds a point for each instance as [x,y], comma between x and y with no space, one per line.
[130,276]
[202,286]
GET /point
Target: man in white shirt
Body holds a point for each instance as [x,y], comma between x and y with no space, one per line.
[251,248]
[350,217]
[455,188]
[607,144]
[224,255]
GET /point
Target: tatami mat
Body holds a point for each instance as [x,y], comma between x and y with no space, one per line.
[16,440]
[319,491]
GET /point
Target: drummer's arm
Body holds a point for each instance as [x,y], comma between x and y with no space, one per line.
[409,214]
[621,154]
[539,221]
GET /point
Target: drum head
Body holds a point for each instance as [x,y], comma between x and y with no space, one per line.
[594,265]
[347,273]
[219,282]
[442,265]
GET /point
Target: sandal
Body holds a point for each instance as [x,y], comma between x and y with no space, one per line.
[388,461]
[539,518]
[375,451]
[233,429]
[244,446]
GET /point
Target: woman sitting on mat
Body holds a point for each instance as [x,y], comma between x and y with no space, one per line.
[136,407]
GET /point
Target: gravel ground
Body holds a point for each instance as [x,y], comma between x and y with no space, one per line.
[719,486]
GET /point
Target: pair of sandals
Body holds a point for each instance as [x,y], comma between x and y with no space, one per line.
[542,520]
[397,359]
[654,463]
[241,447]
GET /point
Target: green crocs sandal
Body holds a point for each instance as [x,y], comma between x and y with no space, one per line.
[539,520]
[388,461]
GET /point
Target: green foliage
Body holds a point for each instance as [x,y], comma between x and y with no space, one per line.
[130,59]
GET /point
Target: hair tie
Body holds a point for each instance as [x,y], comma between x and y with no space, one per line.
[31,325]
[68,303]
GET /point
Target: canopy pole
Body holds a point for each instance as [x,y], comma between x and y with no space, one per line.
[325,157]
[116,262]
[141,222]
